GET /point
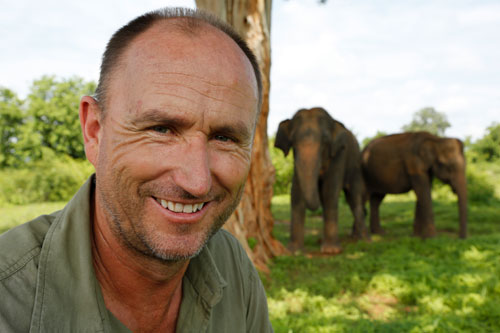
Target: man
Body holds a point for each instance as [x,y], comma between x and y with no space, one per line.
[139,247]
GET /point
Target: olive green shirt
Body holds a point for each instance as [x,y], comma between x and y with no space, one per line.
[48,284]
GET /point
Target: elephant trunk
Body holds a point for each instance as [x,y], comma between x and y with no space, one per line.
[307,164]
[460,188]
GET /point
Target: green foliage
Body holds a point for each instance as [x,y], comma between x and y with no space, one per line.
[52,109]
[488,147]
[479,188]
[480,185]
[489,173]
[47,118]
[430,120]
[367,140]
[11,118]
[53,178]
[395,283]
[252,242]
[284,169]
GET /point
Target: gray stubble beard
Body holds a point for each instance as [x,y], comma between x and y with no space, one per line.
[216,226]
[155,252]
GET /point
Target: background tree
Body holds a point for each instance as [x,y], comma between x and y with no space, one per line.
[252,222]
[41,149]
[488,147]
[52,118]
[430,120]
[11,118]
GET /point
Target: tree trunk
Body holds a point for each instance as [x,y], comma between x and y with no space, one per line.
[252,220]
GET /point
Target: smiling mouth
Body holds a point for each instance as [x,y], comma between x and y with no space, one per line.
[178,207]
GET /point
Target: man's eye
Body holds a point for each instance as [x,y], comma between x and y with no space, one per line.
[160,129]
[222,138]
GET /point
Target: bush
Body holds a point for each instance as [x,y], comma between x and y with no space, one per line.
[479,188]
[54,178]
[284,169]
[488,147]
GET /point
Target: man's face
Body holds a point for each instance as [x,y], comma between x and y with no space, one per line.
[175,144]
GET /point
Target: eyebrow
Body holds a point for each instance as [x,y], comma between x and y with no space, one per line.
[156,116]
[237,129]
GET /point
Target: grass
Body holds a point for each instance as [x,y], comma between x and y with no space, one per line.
[395,283]
[13,215]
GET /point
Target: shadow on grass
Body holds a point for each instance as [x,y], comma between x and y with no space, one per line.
[396,283]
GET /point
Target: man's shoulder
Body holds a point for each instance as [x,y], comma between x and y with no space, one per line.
[20,250]
[21,244]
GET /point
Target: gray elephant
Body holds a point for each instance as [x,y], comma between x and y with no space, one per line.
[327,159]
[399,163]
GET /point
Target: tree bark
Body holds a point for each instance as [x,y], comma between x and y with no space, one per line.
[252,222]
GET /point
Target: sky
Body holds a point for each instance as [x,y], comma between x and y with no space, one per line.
[370,63]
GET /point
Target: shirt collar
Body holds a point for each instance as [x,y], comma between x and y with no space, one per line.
[206,278]
[202,289]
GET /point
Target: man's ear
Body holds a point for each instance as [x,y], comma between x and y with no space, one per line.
[90,120]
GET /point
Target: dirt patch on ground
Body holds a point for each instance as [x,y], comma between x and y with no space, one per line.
[318,254]
[378,307]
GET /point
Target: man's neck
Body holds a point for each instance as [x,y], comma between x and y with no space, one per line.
[141,292]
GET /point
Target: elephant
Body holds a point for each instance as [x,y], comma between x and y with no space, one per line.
[402,162]
[327,159]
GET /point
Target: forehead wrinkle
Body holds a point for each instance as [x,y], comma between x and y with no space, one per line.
[165,93]
[207,82]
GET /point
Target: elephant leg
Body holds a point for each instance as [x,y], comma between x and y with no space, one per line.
[355,201]
[375,201]
[330,199]
[423,225]
[298,220]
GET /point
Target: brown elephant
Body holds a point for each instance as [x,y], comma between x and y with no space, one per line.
[399,163]
[327,159]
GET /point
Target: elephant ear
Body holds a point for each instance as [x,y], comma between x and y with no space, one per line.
[339,141]
[447,149]
[461,145]
[427,152]
[283,141]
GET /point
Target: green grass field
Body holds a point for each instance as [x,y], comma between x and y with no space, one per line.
[395,283]
[14,215]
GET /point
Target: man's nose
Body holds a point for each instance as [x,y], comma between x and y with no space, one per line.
[193,173]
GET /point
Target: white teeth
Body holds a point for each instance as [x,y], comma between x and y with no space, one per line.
[188,209]
[180,208]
